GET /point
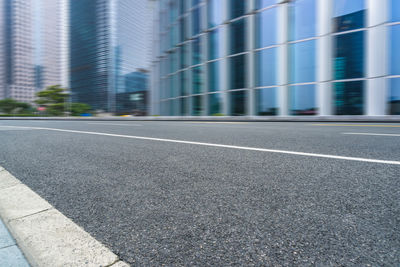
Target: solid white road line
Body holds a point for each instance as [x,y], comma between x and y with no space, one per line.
[373,134]
[227,146]
[45,235]
[116,124]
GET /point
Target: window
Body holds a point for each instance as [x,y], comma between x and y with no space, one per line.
[237,8]
[266,23]
[265,3]
[303,63]
[237,36]
[238,103]
[214,76]
[394,50]
[349,98]
[302,100]
[266,67]
[303,19]
[197,108]
[215,104]
[214,13]
[267,102]
[237,72]
[349,15]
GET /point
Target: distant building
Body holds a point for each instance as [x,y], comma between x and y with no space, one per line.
[276,57]
[33,47]
[109,41]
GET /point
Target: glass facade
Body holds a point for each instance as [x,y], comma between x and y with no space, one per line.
[233,54]
[394,97]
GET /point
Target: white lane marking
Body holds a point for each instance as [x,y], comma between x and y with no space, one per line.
[373,134]
[116,124]
[226,146]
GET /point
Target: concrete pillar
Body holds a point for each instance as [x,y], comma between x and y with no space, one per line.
[251,70]
[282,59]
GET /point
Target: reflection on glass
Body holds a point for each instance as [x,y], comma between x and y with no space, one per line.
[302,67]
[183,106]
[237,72]
[266,67]
[394,97]
[197,107]
[349,56]
[175,107]
[215,104]
[237,37]
[265,3]
[215,44]
[213,76]
[196,20]
[267,104]
[349,98]
[238,103]
[237,8]
[266,23]
[302,100]
[183,81]
[395,10]
[175,85]
[214,13]
[349,15]
[303,19]
[195,2]
[395,50]
[196,46]
[197,76]
[184,50]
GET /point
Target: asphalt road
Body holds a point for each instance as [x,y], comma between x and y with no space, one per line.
[161,202]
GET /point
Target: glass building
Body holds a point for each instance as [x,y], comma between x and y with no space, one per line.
[276,57]
[33,47]
[109,40]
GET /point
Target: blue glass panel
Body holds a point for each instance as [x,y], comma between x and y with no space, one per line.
[184,106]
[395,10]
[349,56]
[349,98]
[214,13]
[237,72]
[215,104]
[197,79]
[394,97]
[302,100]
[349,15]
[302,62]
[237,36]
[267,104]
[266,67]
[238,101]
[265,3]
[215,44]
[183,80]
[303,19]
[214,76]
[266,24]
[237,8]
[197,53]
[395,50]
[197,107]
[196,20]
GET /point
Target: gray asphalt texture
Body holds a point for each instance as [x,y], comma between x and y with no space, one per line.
[159,203]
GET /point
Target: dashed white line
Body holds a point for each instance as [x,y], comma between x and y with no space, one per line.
[226,146]
[374,134]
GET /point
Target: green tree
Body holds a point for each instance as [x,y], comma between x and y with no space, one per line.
[54,99]
[79,108]
[10,106]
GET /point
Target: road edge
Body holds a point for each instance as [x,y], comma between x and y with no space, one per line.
[46,236]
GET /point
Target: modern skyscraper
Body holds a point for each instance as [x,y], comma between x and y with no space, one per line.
[32,47]
[276,57]
[108,40]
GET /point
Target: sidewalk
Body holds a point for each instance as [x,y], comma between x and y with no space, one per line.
[10,254]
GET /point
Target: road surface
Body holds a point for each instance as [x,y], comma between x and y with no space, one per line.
[215,193]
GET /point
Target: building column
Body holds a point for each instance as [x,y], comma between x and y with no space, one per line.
[251,29]
[376,58]
[224,61]
[283,24]
[324,57]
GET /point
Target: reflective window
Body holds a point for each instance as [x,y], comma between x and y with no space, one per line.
[175,107]
[265,3]
[237,8]
[184,55]
[349,15]
[196,21]
[395,10]
[197,79]
[214,13]
[214,76]
[195,2]
[197,53]
[182,6]
[349,98]
[395,50]
[302,66]
[302,100]
[197,107]
[266,67]
[215,44]
[394,97]
[237,72]
[182,30]
[215,103]
[267,104]
[237,36]
[238,101]
[266,23]
[349,56]
[183,102]
[183,82]
[302,19]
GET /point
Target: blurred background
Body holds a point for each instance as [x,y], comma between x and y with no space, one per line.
[199,57]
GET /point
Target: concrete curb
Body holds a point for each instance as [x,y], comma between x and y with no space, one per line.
[46,236]
[386,118]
